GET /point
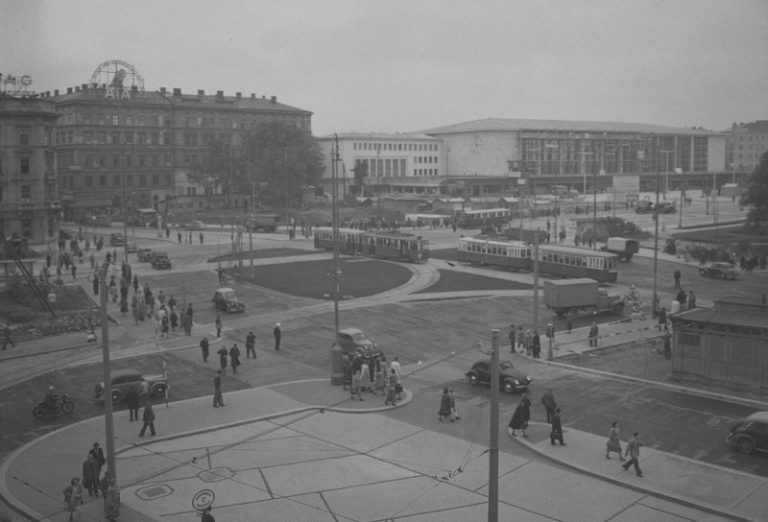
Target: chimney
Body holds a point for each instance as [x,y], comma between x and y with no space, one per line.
[69,90]
[162,90]
[274,99]
[201,92]
[55,92]
[84,87]
[219,94]
[176,91]
[253,96]
[77,88]
[47,94]
[134,88]
[239,95]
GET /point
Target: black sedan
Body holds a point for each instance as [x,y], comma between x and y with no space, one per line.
[510,379]
[719,271]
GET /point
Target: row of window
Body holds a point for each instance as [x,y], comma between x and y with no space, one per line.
[394,146]
[425,172]
[102,181]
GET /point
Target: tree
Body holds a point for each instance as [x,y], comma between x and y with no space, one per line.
[218,168]
[756,195]
[280,159]
[361,172]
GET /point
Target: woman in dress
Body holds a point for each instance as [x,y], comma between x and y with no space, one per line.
[73,497]
[525,404]
[613,444]
[518,421]
[445,406]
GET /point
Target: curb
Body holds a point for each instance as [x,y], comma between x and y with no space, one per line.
[629,485]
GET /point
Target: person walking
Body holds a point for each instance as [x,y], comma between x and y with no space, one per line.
[517,422]
[454,410]
[149,420]
[8,337]
[98,454]
[207,517]
[218,326]
[106,482]
[395,366]
[278,334]
[73,498]
[677,276]
[691,300]
[536,344]
[91,475]
[132,401]
[557,429]
[667,346]
[613,445]
[512,338]
[594,331]
[633,453]
[218,396]
[234,357]
[250,345]
[204,346]
[526,403]
[355,388]
[223,358]
[445,406]
[662,319]
[548,400]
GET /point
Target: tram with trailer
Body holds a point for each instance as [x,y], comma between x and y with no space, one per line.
[554,260]
[483,217]
[395,246]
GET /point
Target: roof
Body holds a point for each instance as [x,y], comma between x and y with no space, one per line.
[510,124]
[726,316]
[381,136]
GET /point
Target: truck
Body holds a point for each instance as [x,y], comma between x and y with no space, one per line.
[624,248]
[571,296]
[264,221]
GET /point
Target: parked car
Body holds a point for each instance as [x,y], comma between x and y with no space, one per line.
[644,207]
[510,379]
[665,207]
[751,434]
[226,299]
[195,225]
[353,340]
[144,255]
[124,380]
[160,260]
[116,239]
[719,270]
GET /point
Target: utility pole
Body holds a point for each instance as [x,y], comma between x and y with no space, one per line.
[335,219]
[656,239]
[493,443]
[109,431]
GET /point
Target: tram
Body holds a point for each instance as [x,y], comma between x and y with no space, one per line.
[554,260]
[396,246]
[483,217]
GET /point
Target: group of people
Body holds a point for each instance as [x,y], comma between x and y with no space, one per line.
[94,482]
[527,341]
[371,373]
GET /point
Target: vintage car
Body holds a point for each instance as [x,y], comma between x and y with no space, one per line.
[354,340]
[644,207]
[666,207]
[751,434]
[510,379]
[144,255]
[116,239]
[195,225]
[124,380]
[160,260]
[719,270]
[226,299]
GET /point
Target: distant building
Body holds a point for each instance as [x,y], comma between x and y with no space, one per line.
[747,143]
[29,200]
[727,343]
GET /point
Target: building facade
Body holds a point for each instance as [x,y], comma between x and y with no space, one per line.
[748,142]
[29,203]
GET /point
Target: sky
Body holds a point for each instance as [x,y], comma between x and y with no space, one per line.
[410,65]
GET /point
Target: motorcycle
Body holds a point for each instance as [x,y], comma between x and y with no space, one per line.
[63,405]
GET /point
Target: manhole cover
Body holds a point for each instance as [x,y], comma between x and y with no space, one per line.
[215,474]
[154,491]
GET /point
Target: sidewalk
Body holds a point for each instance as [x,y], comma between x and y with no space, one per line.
[302,451]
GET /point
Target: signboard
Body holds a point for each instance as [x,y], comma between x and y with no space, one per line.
[13,85]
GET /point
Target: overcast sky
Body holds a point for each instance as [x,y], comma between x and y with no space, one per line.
[401,66]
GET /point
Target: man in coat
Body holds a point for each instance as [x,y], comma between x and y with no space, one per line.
[133,402]
[548,400]
[98,454]
[149,420]
[204,348]
[633,451]
[234,357]
[557,429]
[218,396]
[250,345]
[278,335]
[91,475]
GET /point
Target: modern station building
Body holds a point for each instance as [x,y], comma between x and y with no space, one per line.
[748,142]
[495,157]
[121,146]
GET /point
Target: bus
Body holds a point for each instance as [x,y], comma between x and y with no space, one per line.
[514,255]
[483,217]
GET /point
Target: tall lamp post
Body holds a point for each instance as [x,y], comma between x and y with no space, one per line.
[109,430]
[656,240]
[335,219]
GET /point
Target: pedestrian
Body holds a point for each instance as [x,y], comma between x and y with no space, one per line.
[91,475]
[204,348]
[445,406]
[143,393]
[454,410]
[594,332]
[218,325]
[112,503]
[73,497]
[520,339]
[395,366]
[172,303]
[613,445]
[201,238]
[234,357]
[164,325]
[132,401]
[677,279]
[98,454]
[8,337]
[356,389]
[190,314]
[218,396]
[667,345]
[223,358]
[691,300]
[682,298]
[536,344]
[278,335]
[207,517]
[512,338]
[633,452]
[528,342]
[178,234]
[517,422]
[391,381]
[394,378]
[548,400]
[557,429]
[569,324]
[250,345]
[662,319]
[74,271]
[149,420]
[526,402]
[106,482]
[174,320]
[135,283]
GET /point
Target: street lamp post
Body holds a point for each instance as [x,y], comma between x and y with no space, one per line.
[656,244]
[109,431]
[285,173]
